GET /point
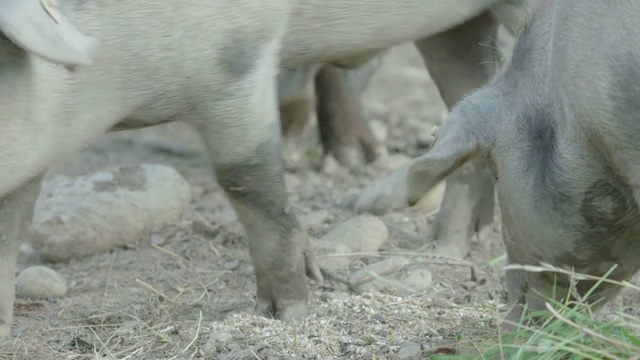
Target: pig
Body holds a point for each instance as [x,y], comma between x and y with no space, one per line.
[72,70]
[459,56]
[333,94]
[558,126]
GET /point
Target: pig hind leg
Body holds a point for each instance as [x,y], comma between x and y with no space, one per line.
[344,132]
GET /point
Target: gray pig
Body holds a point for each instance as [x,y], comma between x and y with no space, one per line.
[560,128]
[212,64]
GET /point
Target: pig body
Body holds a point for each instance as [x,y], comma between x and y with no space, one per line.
[560,128]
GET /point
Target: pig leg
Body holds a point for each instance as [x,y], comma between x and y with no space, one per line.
[295,118]
[242,132]
[344,132]
[460,61]
[16,213]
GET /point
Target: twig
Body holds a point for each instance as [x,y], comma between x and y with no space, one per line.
[197,333]
[171,253]
[587,331]
[152,289]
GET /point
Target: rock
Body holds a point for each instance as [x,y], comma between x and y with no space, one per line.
[332,167]
[28,255]
[40,282]
[314,219]
[127,328]
[392,161]
[409,351]
[97,212]
[364,279]
[431,201]
[390,193]
[416,280]
[217,341]
[425,138]
[385,194]
[390,275]
[334,296]
[231,265]
[379,130]
[324,249]
[362,233]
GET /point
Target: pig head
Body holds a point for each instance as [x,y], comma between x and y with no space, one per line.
[560,129]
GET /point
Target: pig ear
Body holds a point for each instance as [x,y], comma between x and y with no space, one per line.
[463,136]
[38,27]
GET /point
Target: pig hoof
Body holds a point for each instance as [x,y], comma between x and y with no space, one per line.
[356,156]
[294,156]
[5,330]
[453,251]
[292,312]
[286,311]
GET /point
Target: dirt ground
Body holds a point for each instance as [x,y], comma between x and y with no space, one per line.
[195,300]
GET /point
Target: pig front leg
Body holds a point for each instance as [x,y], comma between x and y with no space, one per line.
[242,132]
[16,213]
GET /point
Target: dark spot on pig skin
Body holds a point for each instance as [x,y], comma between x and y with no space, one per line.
[132,178]
[539,137]
[258,184]
[239,56]
[610,212]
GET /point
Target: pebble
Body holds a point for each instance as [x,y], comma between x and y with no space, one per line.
[390,275]
[217,341]
[409,351]
[40,282]
[314,219]
[77,217]
[332,167]
[390,193]
[334,296]
[231,265]
[362,233]
[323,248]
[379,130]
[431,201]
[385,194]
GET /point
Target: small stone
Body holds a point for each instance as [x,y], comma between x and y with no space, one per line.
[40,282]
[18,331]
[362,233]
[231,265]
[409,351]
[324,252]
[379,130]
[379,318]
[332,167]
[365,279]
[431,201]
[217,341]
[417,280]
[334,296]
[127,327]
[314,219]
[28,255]
[390,276]
[425,138]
